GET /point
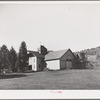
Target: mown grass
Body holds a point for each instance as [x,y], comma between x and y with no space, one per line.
[9,75]
[64,79]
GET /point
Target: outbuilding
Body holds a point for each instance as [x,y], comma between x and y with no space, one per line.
[63,59]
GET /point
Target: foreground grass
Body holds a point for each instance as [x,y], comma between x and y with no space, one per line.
[65,79]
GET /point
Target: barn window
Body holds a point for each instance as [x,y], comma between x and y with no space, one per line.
[68,59]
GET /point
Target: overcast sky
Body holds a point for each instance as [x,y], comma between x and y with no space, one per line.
[74,25]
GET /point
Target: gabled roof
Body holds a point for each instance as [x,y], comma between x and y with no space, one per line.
[55,54]
[75,54]
[35,53]
[78,53]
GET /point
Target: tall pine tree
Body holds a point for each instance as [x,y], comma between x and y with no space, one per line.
[13,59]
[0,61]
[22,58]
[5,61]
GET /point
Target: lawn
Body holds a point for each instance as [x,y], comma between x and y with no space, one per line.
[64,79]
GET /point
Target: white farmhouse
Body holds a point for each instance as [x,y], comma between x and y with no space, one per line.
[36,61]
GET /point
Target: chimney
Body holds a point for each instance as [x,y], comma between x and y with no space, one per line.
[43,50]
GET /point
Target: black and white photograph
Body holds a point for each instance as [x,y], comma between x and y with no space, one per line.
[50,45]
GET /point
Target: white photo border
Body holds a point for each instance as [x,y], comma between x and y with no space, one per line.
[48,94]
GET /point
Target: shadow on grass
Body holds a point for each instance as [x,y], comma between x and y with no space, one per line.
[7,76]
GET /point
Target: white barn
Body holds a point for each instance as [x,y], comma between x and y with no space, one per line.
[63,59]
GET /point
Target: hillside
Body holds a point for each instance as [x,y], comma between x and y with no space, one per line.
[92,51]
[93,55]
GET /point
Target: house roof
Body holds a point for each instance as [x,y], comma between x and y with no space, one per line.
[35,53]
[55,55]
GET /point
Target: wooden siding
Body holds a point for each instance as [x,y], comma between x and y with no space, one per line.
[33,62]
[53,65]
[67,60]
[62,64]
[37,63]
[40,64]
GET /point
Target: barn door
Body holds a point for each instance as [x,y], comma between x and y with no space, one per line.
[68,64]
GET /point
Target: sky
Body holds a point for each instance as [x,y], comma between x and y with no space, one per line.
[56,25]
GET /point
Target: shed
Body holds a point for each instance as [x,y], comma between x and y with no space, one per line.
[63,59]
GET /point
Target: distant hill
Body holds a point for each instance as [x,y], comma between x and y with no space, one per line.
[92,51]
[93,55]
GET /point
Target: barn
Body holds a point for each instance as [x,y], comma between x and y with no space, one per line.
[63,59]
[36,61]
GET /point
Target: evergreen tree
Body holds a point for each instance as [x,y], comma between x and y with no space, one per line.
[22,58]
[5,61]
[13,58]
[0,61]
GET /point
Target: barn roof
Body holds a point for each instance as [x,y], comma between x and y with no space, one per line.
[55,54]
[35,53]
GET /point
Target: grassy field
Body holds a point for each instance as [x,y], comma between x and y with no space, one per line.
[64,79]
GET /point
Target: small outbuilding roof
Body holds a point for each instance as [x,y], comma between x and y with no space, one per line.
[78,53]
[75,54]
[36,53]
[55,54]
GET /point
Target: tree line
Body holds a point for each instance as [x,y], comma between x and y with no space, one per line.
[12,61]
[92,51]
